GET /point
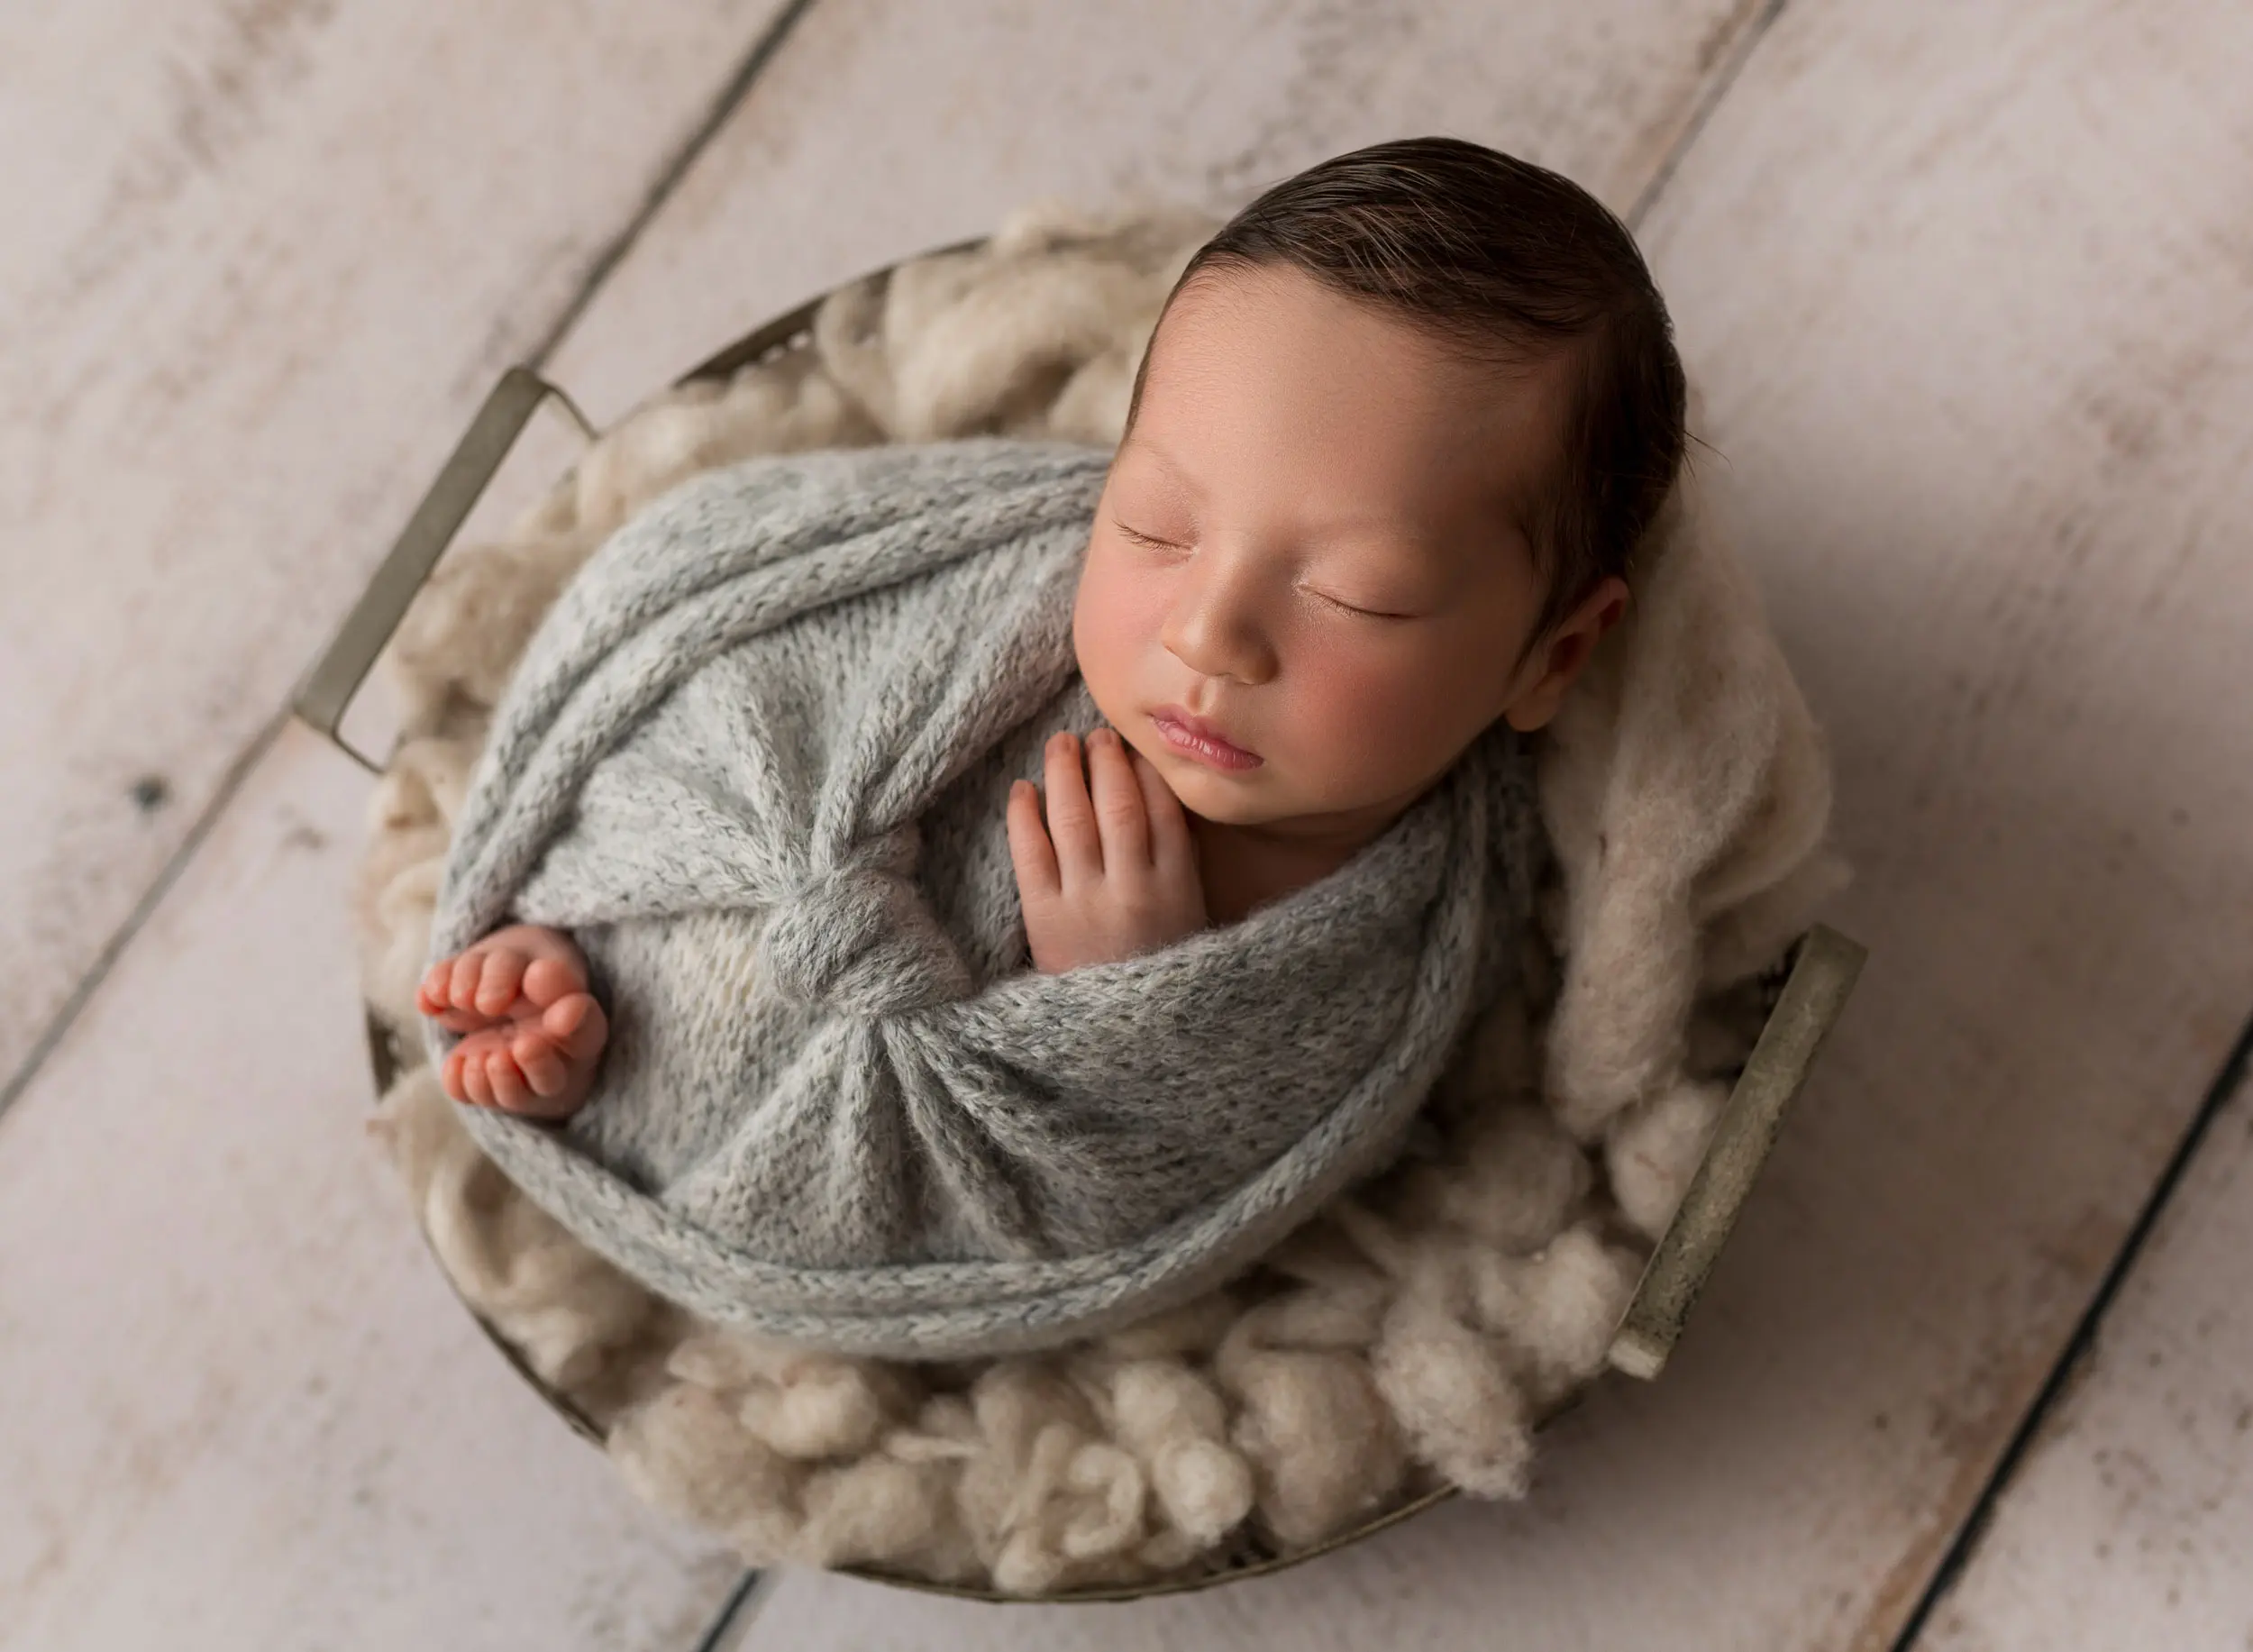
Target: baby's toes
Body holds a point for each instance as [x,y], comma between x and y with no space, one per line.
[547,981]
[476,1086]
[435,997]
[577,1025]
[542,1063]
[503,974]
[510,1092]
[462,980]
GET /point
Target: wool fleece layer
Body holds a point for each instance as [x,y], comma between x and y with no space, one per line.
[756,760]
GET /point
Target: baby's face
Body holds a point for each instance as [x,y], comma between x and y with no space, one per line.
[1310,541]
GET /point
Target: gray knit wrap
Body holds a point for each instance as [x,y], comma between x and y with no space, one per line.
[756,760]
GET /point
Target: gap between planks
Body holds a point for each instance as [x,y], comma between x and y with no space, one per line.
[1747,40]
[662,186]
[2073,1360]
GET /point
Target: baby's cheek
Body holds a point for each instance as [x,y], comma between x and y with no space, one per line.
[1376,727]
[1115,620]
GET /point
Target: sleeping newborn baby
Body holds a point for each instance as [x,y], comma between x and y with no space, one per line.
[1396,434]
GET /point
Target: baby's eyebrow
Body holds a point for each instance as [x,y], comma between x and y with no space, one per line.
[1141,446]
[1393,539]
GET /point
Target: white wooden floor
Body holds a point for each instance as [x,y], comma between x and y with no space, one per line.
[1970,289]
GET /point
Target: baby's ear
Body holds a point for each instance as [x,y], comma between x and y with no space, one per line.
[1564,653]
[1611,600]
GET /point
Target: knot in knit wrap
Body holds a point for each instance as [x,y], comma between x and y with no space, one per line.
[757,762]
[858,937]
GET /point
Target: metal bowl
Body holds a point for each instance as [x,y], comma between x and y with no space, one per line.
[1802,995]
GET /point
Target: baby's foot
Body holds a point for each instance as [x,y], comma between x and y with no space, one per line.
[533,1032]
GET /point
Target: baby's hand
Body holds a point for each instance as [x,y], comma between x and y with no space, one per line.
[1120,875]
[532,1031]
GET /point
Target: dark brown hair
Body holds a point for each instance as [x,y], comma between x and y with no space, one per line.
[1513,263]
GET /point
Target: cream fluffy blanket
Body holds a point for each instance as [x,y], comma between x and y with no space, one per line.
[1418,1329]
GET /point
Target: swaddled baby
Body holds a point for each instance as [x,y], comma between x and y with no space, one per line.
[1398,429]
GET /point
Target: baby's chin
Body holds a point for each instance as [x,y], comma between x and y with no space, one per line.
[1255,798]
[1234,799]
[1264,797]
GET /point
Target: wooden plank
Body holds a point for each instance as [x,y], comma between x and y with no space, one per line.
[1967,288]
[888,126]
[2126,1523]
[243,1409]
[262,258]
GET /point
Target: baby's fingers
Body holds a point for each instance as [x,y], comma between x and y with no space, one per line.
[1030,851]
[1172,847]
[1071,816]
[1119,802]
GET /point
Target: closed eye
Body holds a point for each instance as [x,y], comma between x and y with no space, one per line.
[1141,538]
[1366,613]
[1155,543]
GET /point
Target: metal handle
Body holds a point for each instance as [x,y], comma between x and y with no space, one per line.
[326,693]
[1820,979]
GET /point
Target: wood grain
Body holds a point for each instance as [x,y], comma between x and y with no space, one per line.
[1969,289]
[2126,1522]
[886,126]
[1968,286]
[243,1408]
[261,258]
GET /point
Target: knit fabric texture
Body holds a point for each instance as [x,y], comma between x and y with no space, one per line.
[756,761]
